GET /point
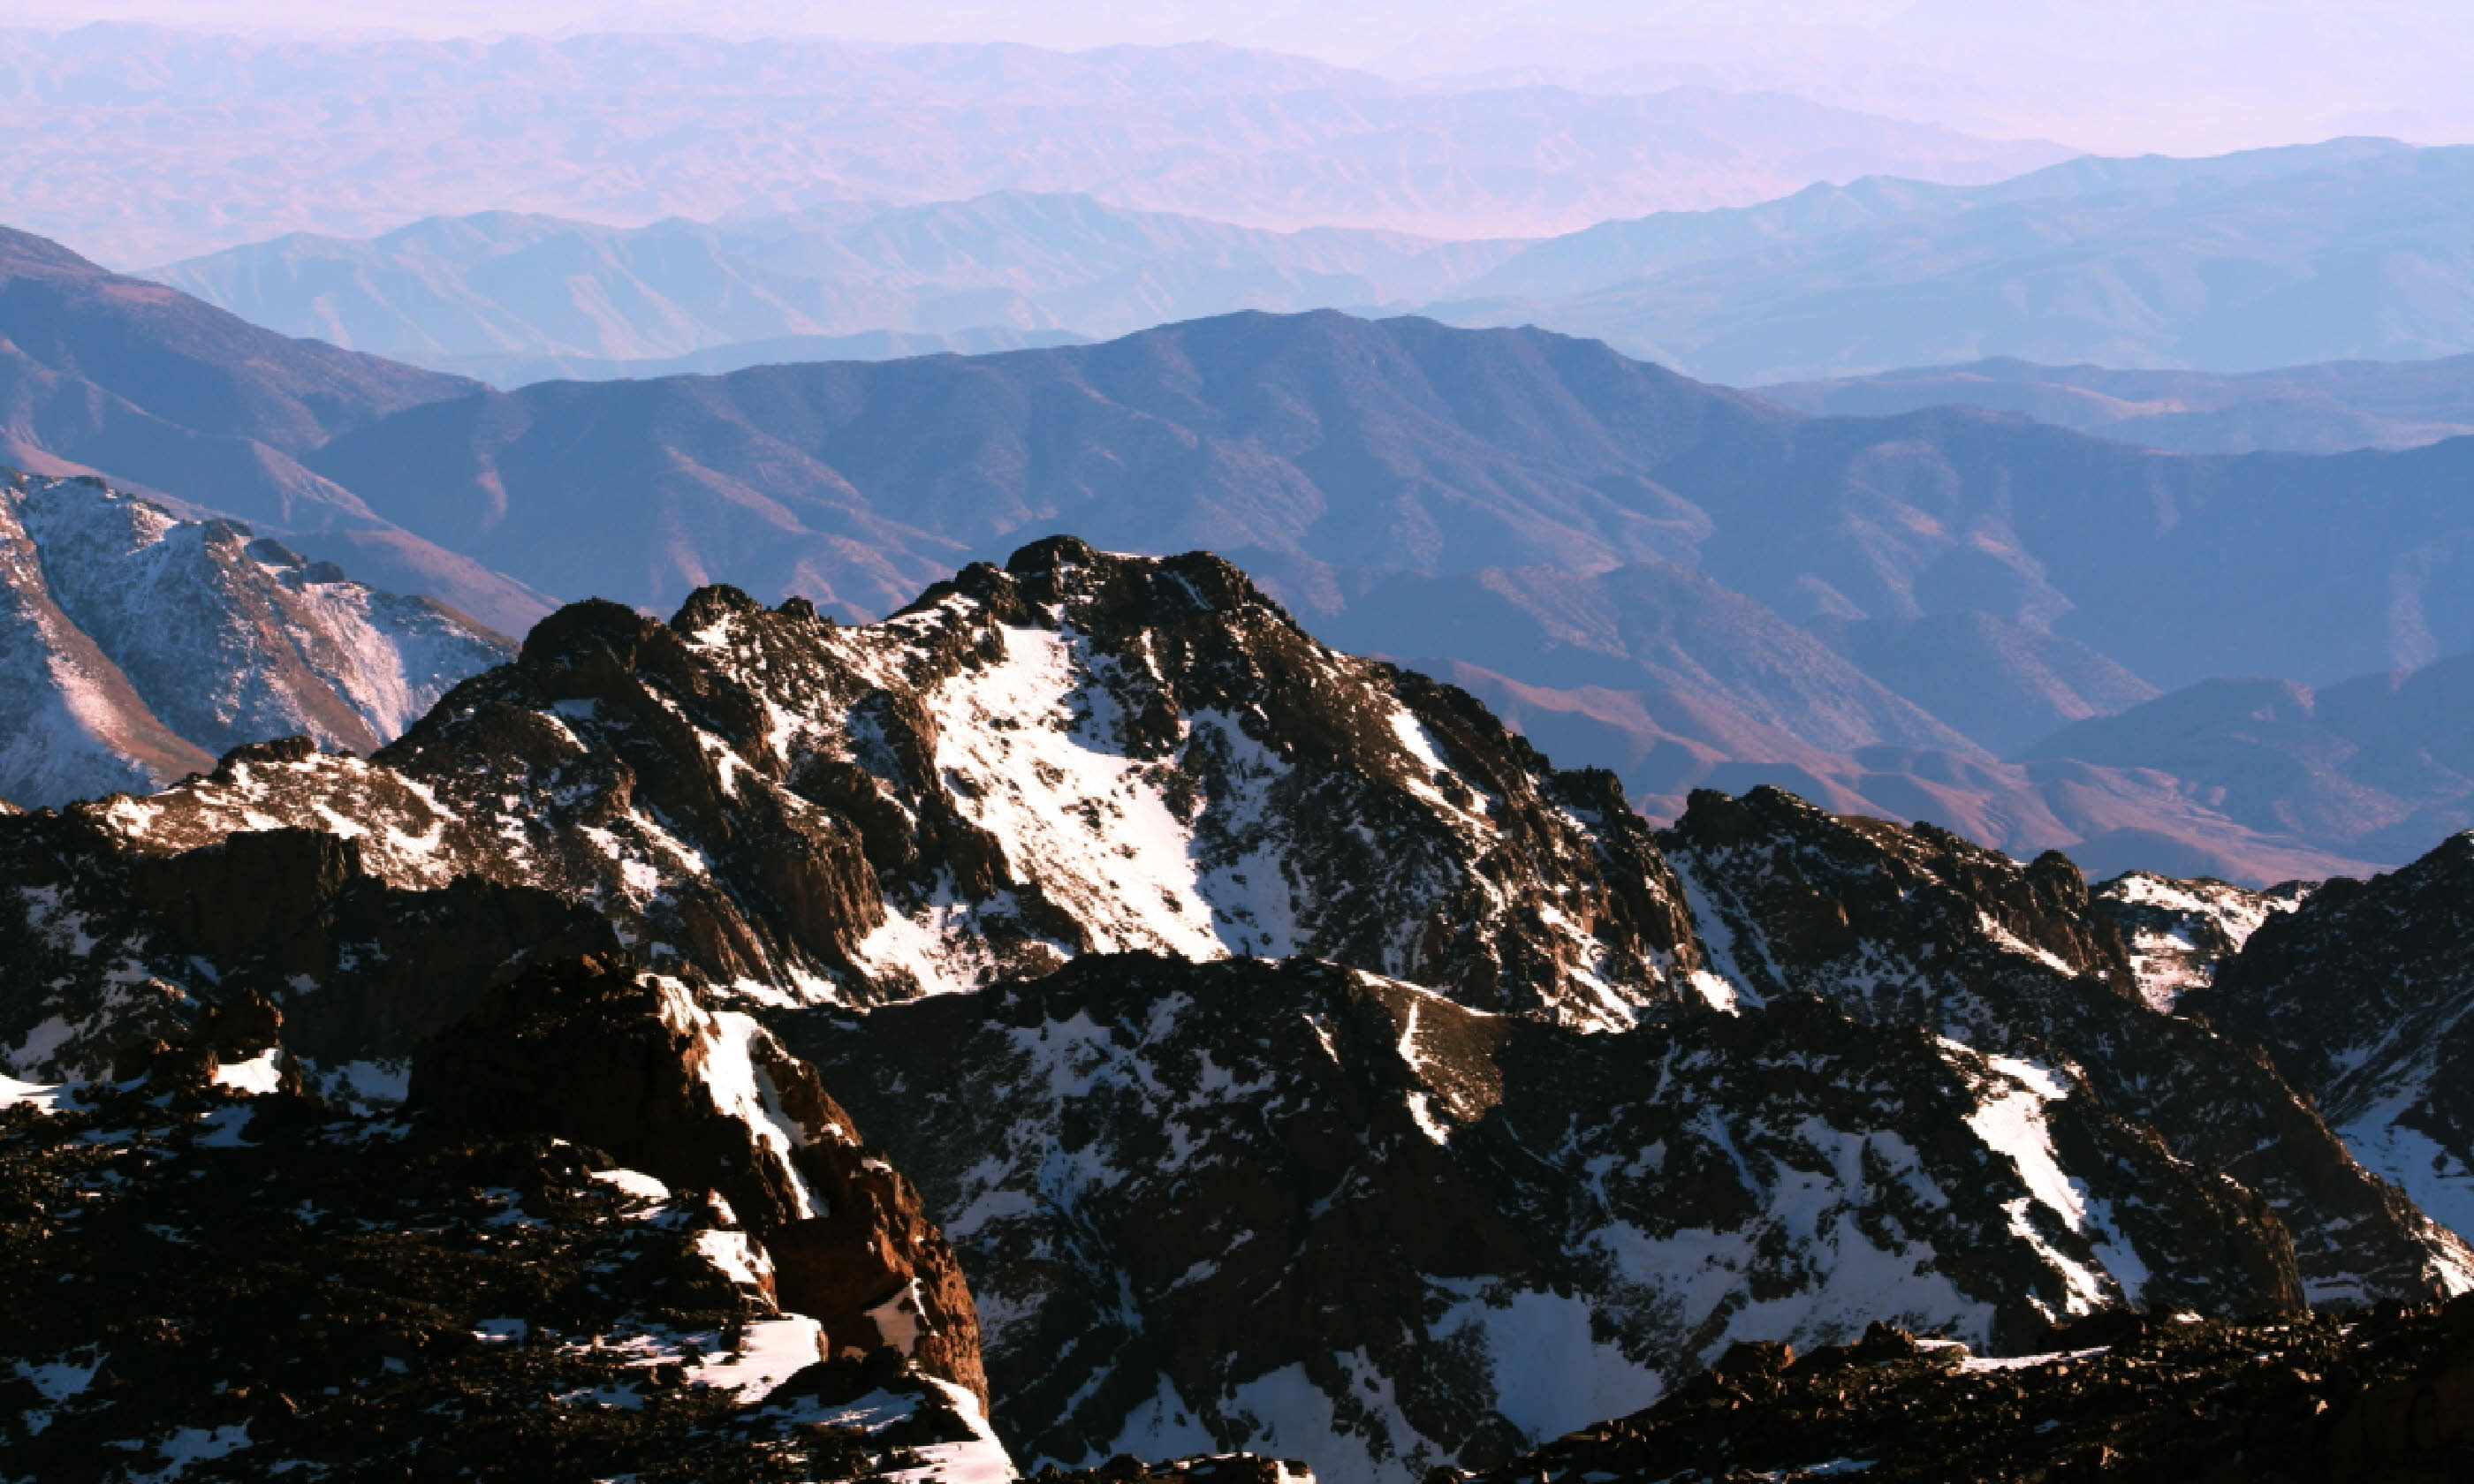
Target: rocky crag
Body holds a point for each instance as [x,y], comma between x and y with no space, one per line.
[464,1290]
[1304,1209]
[2364,994]
[1295,1060]
[1918,927]
[1079,753]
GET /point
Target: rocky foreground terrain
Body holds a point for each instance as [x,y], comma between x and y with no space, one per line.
[1264,1049]
[213,1274]
[2171,1396]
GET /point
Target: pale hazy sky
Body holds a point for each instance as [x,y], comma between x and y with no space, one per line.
[2121,76]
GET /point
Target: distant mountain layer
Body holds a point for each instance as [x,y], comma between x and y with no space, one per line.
[1874,612]
[2328,408]
[134,647]
[2231,265]
[519,371]
[1685,583]
[190,405]
[2353,249]
[146,145]
[501,294]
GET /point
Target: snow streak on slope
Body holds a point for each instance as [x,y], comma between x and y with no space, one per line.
[1294,1206]
[1032,744]
[2012,1120]
[1083,754]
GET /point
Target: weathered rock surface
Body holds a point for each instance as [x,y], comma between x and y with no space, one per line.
[2384,1396]
[108,944]
[1079,752]
[2364,994]
[212,1276]
[2179,933]
[1297,1061]
[591,1051]
[1917,927]
[135,646]
[1296,1207]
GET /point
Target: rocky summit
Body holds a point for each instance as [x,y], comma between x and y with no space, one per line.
[1269,1055]
[1077,752]
[1299,1205]
[2362,995]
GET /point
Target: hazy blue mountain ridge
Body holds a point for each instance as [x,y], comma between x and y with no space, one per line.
[181,401]
[2233,264]
[2350,250]
[2331,407]
[503,291]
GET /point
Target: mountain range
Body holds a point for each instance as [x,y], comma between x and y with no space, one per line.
[2349,250]
[142,646]
[1287,896]
[1691,585]
[634,128]
[1270,1050]
[496,294]
[2253,267]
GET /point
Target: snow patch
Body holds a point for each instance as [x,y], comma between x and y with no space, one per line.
[769,1352]
[741,1090]
[1552,1372]
[258,1076]
[635,1184]
[39,1096]
[2012,1120]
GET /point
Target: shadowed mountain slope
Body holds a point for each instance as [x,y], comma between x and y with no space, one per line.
[1840,580]
[1293,1056]
[1890,604]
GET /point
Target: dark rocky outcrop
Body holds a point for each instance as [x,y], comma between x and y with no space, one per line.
[114,945]
[1917,927]
[2180,933]
[2384,1396]
[1304,1209]
[2364,996]
[232,1280]
[592,1051]
[1076,752]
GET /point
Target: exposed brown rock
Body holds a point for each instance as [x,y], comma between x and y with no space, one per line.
[595,1051]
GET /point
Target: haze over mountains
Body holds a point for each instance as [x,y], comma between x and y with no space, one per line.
[1402,897]
[2353,249]
[143,145]
[497,294]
